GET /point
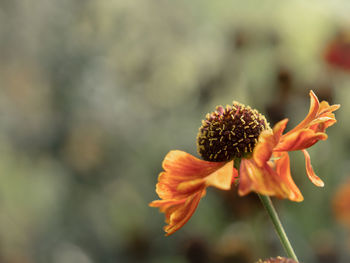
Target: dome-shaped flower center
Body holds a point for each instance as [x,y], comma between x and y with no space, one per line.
[230,132]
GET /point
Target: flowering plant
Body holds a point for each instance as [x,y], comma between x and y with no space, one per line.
[239,147]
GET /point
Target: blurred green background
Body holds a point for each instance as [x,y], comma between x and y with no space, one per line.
[94,93]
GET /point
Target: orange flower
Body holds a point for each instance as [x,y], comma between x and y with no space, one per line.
[238,136]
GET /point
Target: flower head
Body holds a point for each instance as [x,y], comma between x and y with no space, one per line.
[238,134]
[230,132]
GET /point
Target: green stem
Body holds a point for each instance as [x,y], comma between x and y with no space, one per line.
[266,201]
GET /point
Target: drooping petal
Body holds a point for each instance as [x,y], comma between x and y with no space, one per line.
[222,178]
[267,141]
[184,181]
[263,149]
[180,167]
[310,171]
[268,181]
[263,180]
[298,140]
[183,213]
[254,178]
[164,205]
[178,212]
[188,187]
[282,167]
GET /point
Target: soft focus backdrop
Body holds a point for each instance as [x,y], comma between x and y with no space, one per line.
[94,93]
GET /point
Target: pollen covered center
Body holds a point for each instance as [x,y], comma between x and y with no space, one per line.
[230,132]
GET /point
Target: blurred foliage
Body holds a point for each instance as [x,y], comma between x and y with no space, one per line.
[94,93]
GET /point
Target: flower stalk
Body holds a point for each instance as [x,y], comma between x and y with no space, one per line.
[267,203]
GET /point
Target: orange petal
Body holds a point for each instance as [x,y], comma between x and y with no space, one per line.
[180,167]
[282,165]
[186,165]
[178,212]
[314,107]
[279,128]
[222,178]
[182,214]
[300,139]
[310,172]
[325,108]
[325,117]
[324,120]
[189,187]
[267,141]
[163,205]
[184,182]
[258,179]
[264,180]
[254,178]
[319,118]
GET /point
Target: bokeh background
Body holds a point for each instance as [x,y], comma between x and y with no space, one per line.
[94,93]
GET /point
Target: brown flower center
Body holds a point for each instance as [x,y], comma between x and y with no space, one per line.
[230,132]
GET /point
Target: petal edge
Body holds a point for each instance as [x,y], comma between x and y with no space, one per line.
[310,171]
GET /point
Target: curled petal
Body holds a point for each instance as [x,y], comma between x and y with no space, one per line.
[326,109]
[299,140]
[310,172]
[266,181]
[325,117]
[267,142]
[178,212]
[319,118]
[314,108]
[184,181]
[325,121]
